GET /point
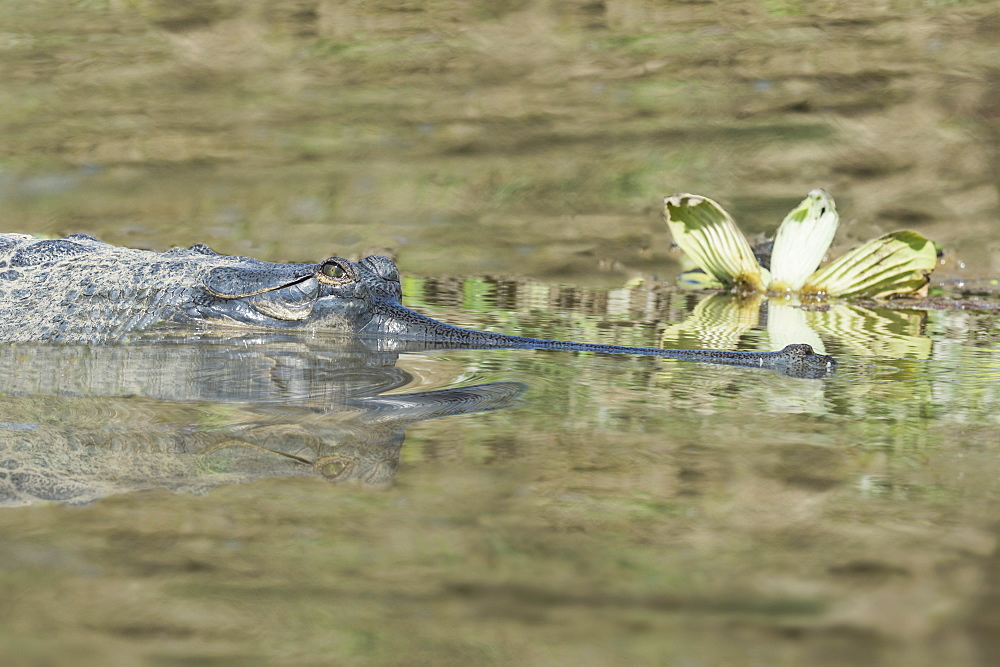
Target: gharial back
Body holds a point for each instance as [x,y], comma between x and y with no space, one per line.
[79,289]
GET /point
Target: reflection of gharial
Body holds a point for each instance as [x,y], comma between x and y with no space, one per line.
[79,289]
[80,423]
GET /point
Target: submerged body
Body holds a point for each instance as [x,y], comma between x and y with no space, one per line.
[82,290]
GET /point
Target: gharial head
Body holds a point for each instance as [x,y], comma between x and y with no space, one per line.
[335,294]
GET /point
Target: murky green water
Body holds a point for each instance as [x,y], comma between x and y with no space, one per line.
[239,498]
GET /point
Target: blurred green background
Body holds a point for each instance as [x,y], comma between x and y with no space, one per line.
[515,137]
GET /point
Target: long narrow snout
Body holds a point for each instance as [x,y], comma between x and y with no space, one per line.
[401,323]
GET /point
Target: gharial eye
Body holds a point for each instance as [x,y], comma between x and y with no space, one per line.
[332,467]
[334,271]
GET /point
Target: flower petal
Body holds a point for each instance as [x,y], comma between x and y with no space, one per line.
[708,234]
[803,238]
[897,263]
[696,279]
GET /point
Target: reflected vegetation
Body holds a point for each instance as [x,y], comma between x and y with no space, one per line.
[648,313]
[82,423]
[722,320]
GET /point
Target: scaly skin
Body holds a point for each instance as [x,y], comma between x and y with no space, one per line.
[82,290]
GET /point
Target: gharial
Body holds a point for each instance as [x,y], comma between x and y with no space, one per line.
[81,290]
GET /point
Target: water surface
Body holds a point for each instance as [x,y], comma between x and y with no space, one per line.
[228,498]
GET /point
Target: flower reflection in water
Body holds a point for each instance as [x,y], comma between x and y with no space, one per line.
[721,320]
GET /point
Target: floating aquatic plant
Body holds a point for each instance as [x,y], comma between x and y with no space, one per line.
[896,263]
